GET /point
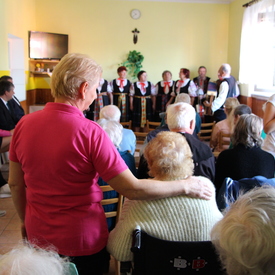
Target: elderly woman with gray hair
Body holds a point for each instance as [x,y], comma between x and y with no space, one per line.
[246,159]
[56,157]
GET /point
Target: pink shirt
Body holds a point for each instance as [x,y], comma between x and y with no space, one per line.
[62,155]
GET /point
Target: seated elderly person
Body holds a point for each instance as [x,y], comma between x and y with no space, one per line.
[177,219]
[114,131]
[246,159]
[128,142]
[26,259]
[245,237]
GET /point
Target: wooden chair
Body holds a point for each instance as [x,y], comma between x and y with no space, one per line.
[224,139]
[140,136]
[206,131]
[127,124]
[113,213]
[151,125]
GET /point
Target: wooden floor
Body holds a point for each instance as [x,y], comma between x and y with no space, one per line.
[10,234]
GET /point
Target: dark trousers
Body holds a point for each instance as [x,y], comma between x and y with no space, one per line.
[90,264]
[2,180]
[219,115]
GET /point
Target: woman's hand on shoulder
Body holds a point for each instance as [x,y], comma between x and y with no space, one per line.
[197,187]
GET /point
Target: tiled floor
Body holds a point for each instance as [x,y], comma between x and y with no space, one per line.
[10,234]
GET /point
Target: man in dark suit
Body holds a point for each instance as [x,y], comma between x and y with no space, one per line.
[8,118]
[14,102]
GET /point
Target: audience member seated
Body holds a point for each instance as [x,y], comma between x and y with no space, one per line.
[128,142]
[114,131]
[180,98]
[5,139]
[176,219]
[14,102]
[7,114]
[246,159]
[269,125]
[26,260]
[231,189]
[225,126]
[245,237]
[242,109]
[181,119]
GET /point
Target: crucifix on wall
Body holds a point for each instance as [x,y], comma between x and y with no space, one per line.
[135,32]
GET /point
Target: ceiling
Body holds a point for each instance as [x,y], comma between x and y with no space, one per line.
[191,1]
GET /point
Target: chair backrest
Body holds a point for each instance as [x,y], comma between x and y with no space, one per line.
[152,125]
[224,140]
[140,136]
[112,205]
[127,124]
[206,131]
[156,256]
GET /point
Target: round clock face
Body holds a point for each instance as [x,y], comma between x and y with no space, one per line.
[135,14]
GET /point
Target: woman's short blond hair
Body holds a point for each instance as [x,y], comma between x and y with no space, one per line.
[73,70]
[245,237]
[169,156]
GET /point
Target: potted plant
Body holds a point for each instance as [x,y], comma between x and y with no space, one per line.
[133,63]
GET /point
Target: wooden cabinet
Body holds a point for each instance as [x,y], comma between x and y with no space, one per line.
[42,68]
[38,97]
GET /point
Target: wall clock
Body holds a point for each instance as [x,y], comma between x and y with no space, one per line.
[135,14]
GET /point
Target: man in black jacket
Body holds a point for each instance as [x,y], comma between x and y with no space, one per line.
[14,102]
[181,119]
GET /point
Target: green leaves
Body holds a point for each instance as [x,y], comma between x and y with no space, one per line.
[133,63]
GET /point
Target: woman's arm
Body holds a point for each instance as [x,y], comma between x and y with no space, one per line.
[17,186]
[269,118]
[135,189]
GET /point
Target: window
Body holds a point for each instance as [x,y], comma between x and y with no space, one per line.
[257,55]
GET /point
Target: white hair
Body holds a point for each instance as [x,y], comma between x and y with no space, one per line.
[245,237]
[226,68]
[114,130]
[110,112]
[183,98]
[25,260]
[179,115]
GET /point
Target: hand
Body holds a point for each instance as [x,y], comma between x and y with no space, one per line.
[206,103]
[197,188]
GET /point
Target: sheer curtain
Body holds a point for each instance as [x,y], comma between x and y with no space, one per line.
[257,53]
